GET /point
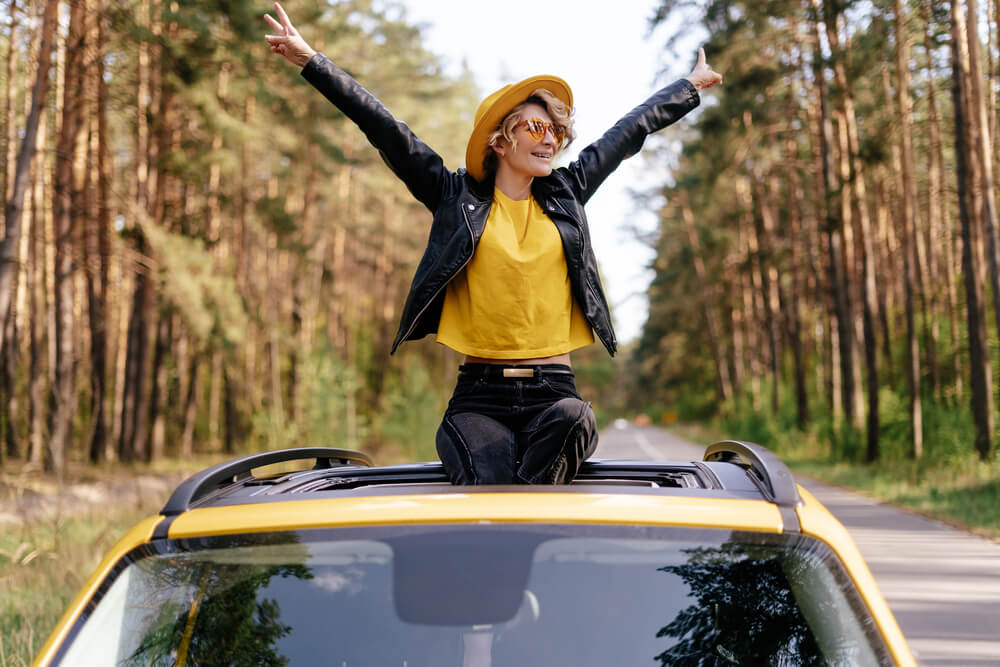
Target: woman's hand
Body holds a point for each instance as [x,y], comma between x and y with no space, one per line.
[288,42]
[703,76]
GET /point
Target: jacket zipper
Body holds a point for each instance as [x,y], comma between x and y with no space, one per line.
[420,313]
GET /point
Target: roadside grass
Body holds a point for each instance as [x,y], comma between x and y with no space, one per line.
[45,560]
[50,544]
[43,563]
[948,483]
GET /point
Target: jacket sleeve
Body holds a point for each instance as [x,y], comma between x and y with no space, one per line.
[596,162]
[413,161]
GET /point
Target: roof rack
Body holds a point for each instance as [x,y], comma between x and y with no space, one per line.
[201,485]
[342,470]
[768,471]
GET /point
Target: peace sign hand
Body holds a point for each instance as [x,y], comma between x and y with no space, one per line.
[288,42]
[703,76]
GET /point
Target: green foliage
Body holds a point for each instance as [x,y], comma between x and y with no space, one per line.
[331,415]
[274,214]
[411,410]
[194,282]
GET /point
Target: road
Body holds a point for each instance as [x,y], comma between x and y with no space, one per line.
[942,584]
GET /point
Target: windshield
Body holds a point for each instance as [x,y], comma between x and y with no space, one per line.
[480,596]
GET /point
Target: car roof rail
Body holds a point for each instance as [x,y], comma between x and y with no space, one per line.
[768,470]
[202,484]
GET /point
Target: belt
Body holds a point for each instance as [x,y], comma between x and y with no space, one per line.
[498,371]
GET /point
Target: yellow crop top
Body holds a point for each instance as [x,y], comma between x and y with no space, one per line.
[513,299]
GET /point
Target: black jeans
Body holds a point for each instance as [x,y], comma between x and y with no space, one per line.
[515,430]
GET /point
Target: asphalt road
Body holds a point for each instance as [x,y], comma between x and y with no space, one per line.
[942,584]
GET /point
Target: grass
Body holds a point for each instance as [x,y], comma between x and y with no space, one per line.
[46,556]
[43,563]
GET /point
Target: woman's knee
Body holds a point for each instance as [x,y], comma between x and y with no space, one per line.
[476,449]
[564,415]
[557,442]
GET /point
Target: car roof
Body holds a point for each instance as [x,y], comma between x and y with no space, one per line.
[730,471]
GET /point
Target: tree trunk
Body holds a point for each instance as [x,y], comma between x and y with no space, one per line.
[215,397]
[791,305]
[99,252]
[66,202]
[763,218]
[15,204]
[10,136]
[854,188]
[832,229]
[980,147]
[910,254]
[980,377]
[35,285]
[135,396]
[706,299]
[751,290]
[8,394]
[190,408]
[158,395]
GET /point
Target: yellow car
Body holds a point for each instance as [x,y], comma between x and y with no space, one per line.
[724,561]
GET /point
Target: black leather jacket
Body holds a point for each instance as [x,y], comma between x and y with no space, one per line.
[460,204]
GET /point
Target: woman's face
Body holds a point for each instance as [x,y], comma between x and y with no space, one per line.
[530,156]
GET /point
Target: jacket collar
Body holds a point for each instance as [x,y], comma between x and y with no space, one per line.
[546,192]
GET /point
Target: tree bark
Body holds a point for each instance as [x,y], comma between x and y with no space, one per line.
[724,386]
[99,251]
[191,407]
[158,395]
[15,204]
[66,202]
[981,154]
[35,285]
[753,319]
[763,218]
[854,189]
[10,136]
[831,228]
[791,304]
[132,445]
[908,205]
[979,362]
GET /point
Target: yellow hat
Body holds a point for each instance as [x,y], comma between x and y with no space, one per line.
[497,105]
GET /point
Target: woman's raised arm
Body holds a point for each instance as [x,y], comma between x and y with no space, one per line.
[596,162]
[415,163]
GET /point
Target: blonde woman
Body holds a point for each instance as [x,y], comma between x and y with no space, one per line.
[509,278]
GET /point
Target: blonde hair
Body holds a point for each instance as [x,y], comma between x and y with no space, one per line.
[560,112]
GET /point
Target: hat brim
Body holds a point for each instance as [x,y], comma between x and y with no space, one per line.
[475,150]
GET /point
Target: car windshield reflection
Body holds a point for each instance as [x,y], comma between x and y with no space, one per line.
[470,595]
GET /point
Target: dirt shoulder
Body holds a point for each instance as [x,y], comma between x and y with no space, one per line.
[29,495]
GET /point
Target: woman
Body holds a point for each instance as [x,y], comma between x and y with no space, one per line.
[509,278]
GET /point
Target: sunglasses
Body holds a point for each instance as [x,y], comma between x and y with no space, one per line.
[538,127]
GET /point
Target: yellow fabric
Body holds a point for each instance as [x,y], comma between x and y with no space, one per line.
[513,299]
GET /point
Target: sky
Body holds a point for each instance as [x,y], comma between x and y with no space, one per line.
[605,54]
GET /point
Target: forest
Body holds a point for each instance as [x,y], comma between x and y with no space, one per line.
[201,255]
[827,252]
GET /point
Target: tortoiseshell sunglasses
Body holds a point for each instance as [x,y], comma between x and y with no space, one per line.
[538,127]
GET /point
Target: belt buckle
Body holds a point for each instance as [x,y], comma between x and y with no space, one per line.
[519,372]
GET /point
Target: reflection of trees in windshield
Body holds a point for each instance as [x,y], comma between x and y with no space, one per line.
[744,612]
[218,619]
